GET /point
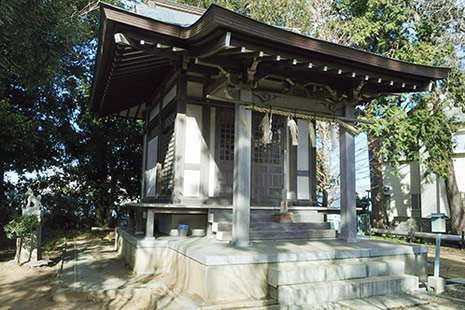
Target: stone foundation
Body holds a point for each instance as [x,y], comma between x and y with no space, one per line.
[217,272]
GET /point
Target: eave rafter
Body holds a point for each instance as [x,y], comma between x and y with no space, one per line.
[240,52]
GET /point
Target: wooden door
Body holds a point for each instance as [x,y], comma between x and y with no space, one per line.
[267,163]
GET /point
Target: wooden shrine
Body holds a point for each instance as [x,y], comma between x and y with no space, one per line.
[203,81]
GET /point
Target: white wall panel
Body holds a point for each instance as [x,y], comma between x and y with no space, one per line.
[151,169]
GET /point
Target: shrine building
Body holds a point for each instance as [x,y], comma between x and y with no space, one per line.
[230,107]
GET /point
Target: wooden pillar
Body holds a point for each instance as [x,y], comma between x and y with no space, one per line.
[312,170]
[144,161]
[242,168]
[205,156]
[150,225]
[292,194]
[179,151]
[139,219]
[303,150]
[347,172]
[131,220]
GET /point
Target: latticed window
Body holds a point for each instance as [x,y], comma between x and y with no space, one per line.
[268,153]
[226,134]
[167,153]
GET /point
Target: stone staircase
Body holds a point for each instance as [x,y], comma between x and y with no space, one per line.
[317,283]
[307,224]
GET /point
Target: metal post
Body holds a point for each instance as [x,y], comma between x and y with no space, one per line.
[438,255]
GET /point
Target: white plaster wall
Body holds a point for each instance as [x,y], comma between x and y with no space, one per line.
[459,166]
[429,199]
[213,169]
[194,141]
[399,185]
[151,169]
[303,182]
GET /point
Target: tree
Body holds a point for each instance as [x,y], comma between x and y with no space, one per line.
[47,50]
[432,33]
[327,180]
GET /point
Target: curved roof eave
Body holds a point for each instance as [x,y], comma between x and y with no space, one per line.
[219,17]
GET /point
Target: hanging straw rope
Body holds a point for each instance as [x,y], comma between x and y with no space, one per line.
[311,134]
[265,128]
[294,131]
[349,127]
[307,117]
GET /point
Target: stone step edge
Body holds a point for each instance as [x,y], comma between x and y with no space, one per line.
[274,279]
[283,228]
[221,217]
[253,304]
[227,235]
[345,284]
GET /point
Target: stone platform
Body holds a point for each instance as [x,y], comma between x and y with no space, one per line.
[218,272]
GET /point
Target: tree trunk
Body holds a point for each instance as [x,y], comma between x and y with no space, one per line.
[379,213]
[457,214]
[19,246]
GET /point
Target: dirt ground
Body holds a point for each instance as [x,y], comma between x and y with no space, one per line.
[32,288]
[452,262]
[25,287]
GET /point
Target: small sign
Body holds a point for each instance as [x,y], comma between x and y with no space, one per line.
[438,222]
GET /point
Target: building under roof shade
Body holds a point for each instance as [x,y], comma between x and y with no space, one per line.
[230,107]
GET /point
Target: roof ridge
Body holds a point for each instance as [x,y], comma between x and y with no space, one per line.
[178,6]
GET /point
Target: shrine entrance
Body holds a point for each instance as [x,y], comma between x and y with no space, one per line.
[268,162]
[267,159]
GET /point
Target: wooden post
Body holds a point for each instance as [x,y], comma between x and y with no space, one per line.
[139,215]
[179,149]
[347,168]
[303,152]
[312,170]
[242,169]
[150,226]
[131,220]
[205,156]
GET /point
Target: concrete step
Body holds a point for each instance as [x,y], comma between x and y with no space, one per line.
[228,217]
[294,234]
[262,304]
[308,217]
[227,226]
[312,273]
[269,217]
[282,235]
[318,293]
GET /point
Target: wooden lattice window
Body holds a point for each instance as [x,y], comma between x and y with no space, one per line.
[226,132]
[268,153]
[155,130]
[167,153]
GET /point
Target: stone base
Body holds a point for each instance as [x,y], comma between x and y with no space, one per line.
[436,284]
[218,272]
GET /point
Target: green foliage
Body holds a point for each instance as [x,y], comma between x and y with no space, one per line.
[47,50]
[21,226]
